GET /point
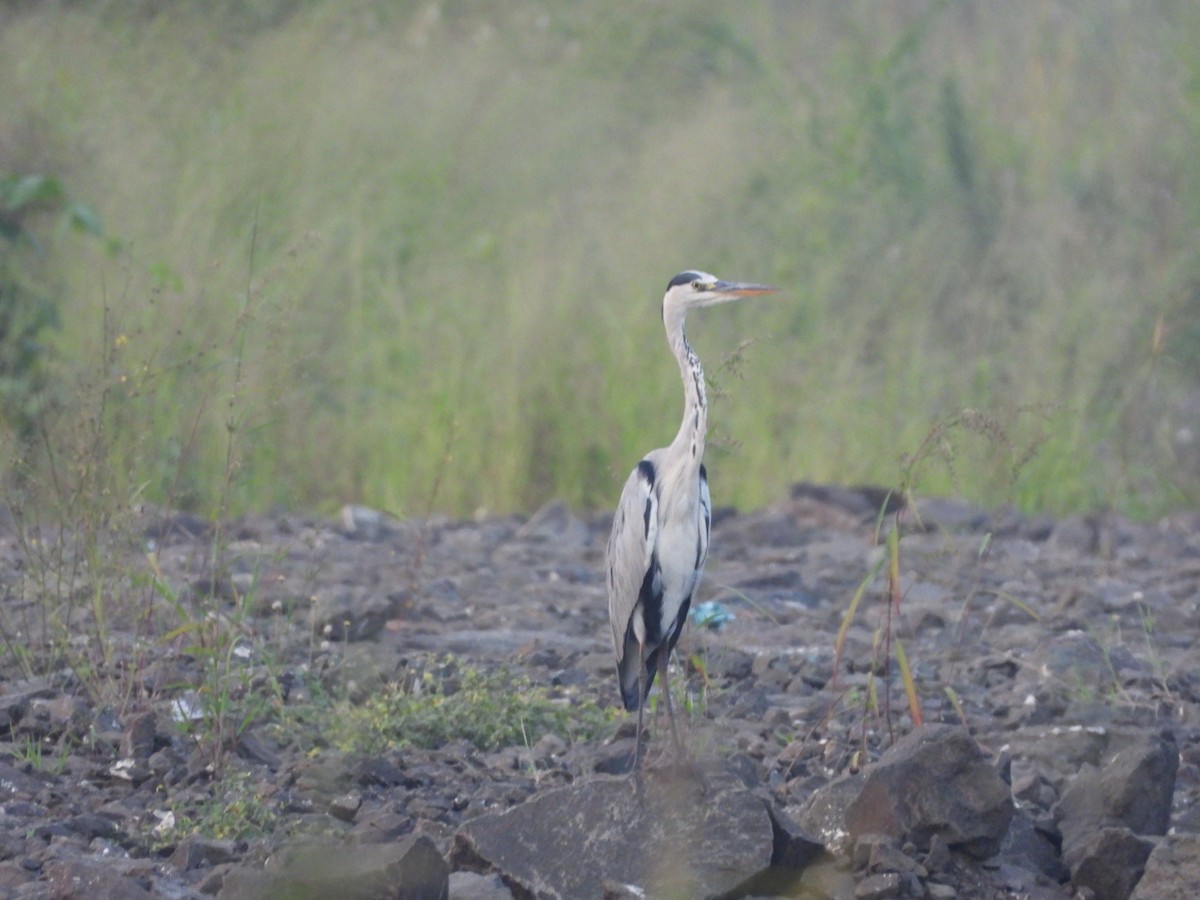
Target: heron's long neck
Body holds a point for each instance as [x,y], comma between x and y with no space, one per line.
[689,442]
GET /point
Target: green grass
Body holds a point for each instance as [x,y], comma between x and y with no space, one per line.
[235,811]
[455,701]
[424,252]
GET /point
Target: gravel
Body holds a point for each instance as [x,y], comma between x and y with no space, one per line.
[1056,646]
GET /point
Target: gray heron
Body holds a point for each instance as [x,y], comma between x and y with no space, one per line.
[660,530]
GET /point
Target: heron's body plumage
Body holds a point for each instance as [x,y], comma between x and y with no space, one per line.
[660,531]
[664,549]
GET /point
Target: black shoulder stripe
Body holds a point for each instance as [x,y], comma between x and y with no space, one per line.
[646,471]
[646,515]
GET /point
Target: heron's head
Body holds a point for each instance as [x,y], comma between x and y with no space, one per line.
[692,289]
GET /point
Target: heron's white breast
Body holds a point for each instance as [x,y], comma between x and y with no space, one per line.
[677,542]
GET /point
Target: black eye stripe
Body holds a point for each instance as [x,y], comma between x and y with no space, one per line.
[684,278]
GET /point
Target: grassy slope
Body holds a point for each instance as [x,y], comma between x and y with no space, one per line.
[379,254]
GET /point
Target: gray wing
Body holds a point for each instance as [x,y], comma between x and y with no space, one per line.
[631,548]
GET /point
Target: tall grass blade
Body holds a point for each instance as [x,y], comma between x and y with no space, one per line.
[840,641]
[893,555]
[910,687]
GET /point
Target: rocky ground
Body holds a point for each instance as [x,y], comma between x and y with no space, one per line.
[1055,662]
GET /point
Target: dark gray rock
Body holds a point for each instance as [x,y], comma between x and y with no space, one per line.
[1132,789]
[1034,788]
[137,740]
[955,516]
[54,716]
[865,845]
[1075,535]
[887,857]
[362,523]
[1065,669]
[500,642]
[553,523]
[934,781]
[107,730]
[878,887]
[473,886]
[613,890]
[13,876]
[1109,862]
[163,527]
[863,502]
[938,858]
[352,614]
[82,880]
[793,847]
[676,837]
[346,806]
[1103,812]
[824,815]
[409,869]
[194,852]
[12,710]
[1028,848]
[16,783]
[253,747]
[1055,754]
[379,826]
[1172,869]
[772,531]
[91,825]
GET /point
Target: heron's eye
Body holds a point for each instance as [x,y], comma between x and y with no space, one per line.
[696,285]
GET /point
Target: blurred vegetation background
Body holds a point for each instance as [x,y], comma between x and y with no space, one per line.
[304,252]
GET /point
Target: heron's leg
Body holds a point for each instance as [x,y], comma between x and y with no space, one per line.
[682,754]
[637,746]
[666,691]
[636,772]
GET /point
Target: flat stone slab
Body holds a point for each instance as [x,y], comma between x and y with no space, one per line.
[675,837]
[408,869]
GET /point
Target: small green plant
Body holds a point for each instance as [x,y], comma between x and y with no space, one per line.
[28,751]
[238,687]
[234,811]
[86,599]
[1157,666]
[940,445]
[457,701]
[44,754]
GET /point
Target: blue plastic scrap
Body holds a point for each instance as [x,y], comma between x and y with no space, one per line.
[711,614]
